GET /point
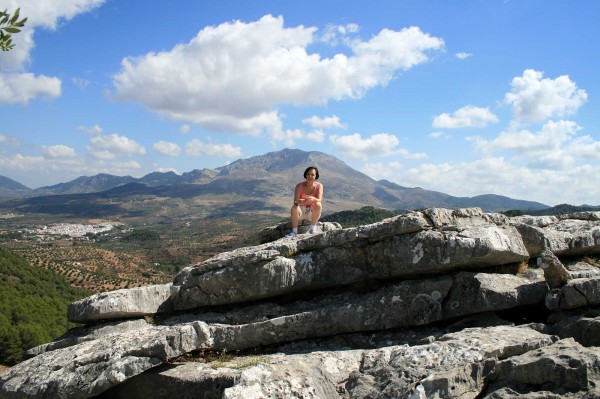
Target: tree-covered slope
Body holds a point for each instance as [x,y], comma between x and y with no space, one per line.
[33,306]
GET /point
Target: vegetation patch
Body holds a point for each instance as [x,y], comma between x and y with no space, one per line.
[33,306]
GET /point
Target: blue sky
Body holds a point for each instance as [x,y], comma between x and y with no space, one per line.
[464,97]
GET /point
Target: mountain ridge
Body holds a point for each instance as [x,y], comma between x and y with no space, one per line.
[269,178]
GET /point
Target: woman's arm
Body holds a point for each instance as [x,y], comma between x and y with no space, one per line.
[297,191]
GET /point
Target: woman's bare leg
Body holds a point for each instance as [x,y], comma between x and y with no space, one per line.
[316,213]
[295,215]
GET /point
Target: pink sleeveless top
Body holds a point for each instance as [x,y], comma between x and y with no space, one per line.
[313,193]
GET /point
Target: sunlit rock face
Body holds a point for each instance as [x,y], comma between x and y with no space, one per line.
[439,303]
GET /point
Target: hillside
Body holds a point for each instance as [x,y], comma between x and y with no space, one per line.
[261,184]
[33,306]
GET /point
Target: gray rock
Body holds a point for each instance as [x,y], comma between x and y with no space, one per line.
[562,368]
[124,303]
[92,367]
[482,292]
[565,237]
[88,333]
[400,247]
[555,273]
[576,293]
[179,380]
[274,233]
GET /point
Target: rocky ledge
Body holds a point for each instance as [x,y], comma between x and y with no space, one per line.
[433,304]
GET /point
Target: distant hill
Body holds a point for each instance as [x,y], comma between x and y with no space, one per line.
[11,188]
[85,184]
[260,183]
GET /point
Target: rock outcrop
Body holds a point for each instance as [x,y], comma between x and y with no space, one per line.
[439,303]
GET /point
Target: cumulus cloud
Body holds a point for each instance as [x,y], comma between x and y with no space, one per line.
[107,147]
[196,147]
[468,116]
[231,77]
[382,144]
[24,87]
[317,136]
[329,122]
[167,148]
[59,151]
[551,137]
[496,175]
[535,98]
[463,56]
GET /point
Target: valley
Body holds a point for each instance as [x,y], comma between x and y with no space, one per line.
[129,254]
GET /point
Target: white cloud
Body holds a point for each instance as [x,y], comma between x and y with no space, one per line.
[497,176]
[381,144]
[463,56]
[184,129]
[167,148]
[232,77]
[439,135]
[196,147]
[380,170]
[585,148]
[24,87]
[535,99]
[550,138]
[43,14]
[59,151]
[468,116]
[329,122]
[80,82]
[334,34]
[317,136]
[11,141]
[287,136]
[93,131]
[107,147]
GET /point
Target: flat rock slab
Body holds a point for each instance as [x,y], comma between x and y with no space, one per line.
[571,235]
[123,303]
[401,247]
[91,367]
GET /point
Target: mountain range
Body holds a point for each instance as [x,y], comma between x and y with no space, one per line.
[261,182]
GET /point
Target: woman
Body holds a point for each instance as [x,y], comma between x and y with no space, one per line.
[307,201]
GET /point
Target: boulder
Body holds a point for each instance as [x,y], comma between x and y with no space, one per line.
[564,236]
[577,293]
[563,368]
[124,303]
[274,233]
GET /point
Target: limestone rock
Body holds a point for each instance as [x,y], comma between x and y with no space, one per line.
[92,367]
[481,292]
[88,333]
[400,247]
[124,303]
[555,273]
[562,368]
[274,233]
[565,236]
[576,293]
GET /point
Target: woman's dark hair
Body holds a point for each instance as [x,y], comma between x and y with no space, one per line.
[316,171]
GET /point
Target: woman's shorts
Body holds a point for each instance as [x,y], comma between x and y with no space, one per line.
[305,213]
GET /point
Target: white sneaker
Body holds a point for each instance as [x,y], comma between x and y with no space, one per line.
[312,231]
[291,234]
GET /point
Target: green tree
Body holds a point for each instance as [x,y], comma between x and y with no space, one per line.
[8,26]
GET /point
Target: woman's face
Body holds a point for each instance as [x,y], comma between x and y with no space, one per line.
[311,175]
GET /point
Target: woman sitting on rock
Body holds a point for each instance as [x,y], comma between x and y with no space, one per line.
[307,201]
